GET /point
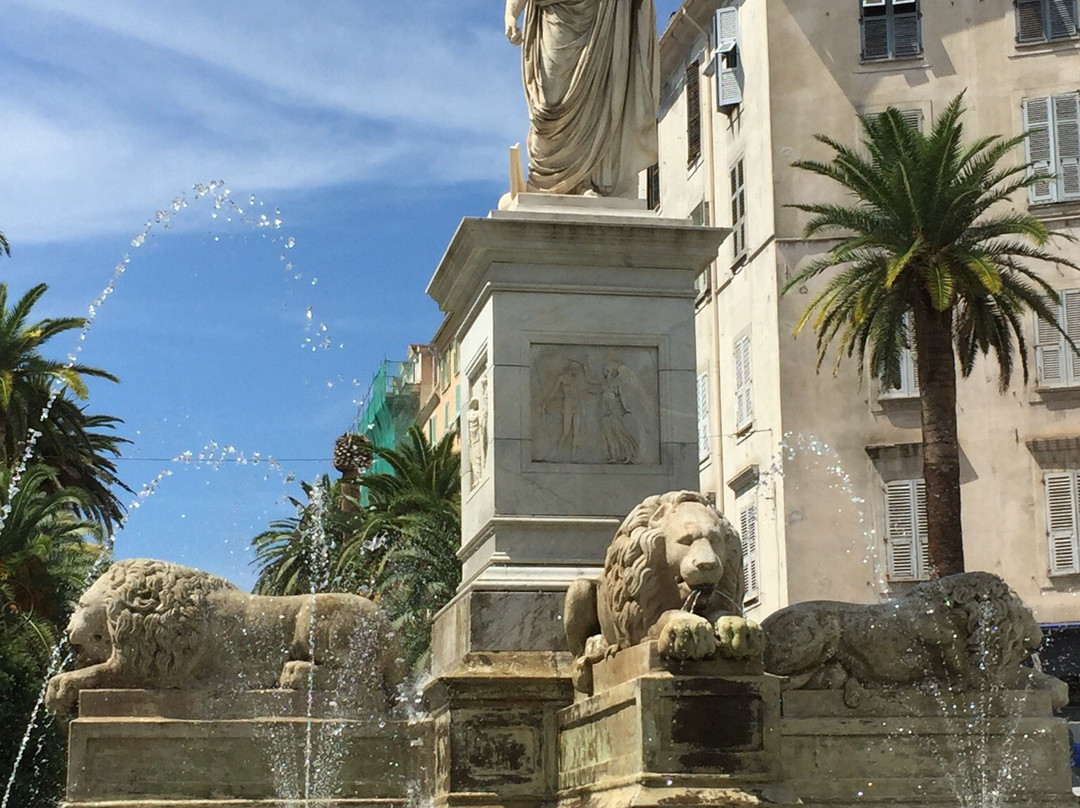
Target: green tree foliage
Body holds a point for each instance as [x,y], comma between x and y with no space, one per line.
[932,234]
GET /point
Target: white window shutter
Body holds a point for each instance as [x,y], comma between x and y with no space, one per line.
[1061,522]
[703,415]
[905,529]
[1070,321]
[726,29]
[748,537]
[1049,349]
[922,531]
[1029,21]
[1067,138]
[744,404]
[1040,147]
[1061,18]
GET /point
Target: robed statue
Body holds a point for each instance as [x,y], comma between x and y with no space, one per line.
[591,82]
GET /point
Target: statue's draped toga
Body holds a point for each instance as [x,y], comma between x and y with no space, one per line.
[589,68]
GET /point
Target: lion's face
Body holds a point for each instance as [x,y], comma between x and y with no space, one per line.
[697,541]
[88,629]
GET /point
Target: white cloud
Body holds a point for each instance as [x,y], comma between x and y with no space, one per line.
[116,106]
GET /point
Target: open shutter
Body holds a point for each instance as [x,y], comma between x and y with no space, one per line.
[1049,349]
[748,538]
[1070,321]
[1061,18]
[693,113]
[729,75]
[1061,506]
[1029,21]
[906,40]
[1040,147]
[744,404]
[1067,137]
[726,29]
[900,530]
[703,415]
[922,531]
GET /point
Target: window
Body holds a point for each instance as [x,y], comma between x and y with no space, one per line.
[748,538]
[431,429]
[446,417]
[905,530]
[1045,20]
[1062,518]
[738,212]
[1052,123]
[701,215]
[744,398]
[1056,363]
[703,416]
[652,186]
[693,114]
[457,399]
[908,385]
[728,65]
[890,29]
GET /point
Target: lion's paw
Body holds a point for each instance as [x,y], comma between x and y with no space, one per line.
[687,636]
[739,638]
[60,696]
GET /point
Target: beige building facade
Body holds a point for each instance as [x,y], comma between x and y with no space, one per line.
[822,471]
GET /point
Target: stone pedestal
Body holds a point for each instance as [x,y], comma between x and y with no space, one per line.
[492,728]
[906,748]
[575,321]
[659,732]
[141,748]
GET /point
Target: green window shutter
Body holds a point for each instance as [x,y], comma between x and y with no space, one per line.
[1067,138]
[875,36]
[1061,522]
[1040,147]
[1029,21]
[1049,347]
[1061,19]
[749,541]
[906,39]
[703,415]
[905,529]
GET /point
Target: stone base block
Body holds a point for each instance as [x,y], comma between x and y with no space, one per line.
[138,748]
[708,736]
[492,724]
[914,749]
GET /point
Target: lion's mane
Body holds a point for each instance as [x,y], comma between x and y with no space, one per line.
[639,584]
[157,617]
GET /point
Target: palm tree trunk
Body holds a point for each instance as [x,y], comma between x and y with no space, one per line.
[941,449]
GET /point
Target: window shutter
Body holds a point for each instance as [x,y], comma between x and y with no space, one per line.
[1070,321]
[905,528]
[1061,16]
[913,118]
[748,538]
[906,33]
[1029,21]
[703,415]
[1067,136]
[744,404]
[726,29]
[693,113]
[1040,147]
[1061,519]
[652,186]
[875,34]
[922,531]
[1048,348]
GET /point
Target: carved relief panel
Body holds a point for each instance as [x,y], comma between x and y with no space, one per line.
[595,404]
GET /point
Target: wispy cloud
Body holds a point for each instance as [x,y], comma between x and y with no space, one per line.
[111,107]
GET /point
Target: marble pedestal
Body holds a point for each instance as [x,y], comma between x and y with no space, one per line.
[575,324]
[663,733]
[165,749]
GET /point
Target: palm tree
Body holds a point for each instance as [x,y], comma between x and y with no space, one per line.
[33,399]
[932,239]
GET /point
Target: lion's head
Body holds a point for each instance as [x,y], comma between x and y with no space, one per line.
[673,551]
[146,614]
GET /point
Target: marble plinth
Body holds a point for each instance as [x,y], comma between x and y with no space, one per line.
[137,749]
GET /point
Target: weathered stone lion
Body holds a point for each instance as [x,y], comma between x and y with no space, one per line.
[962,632]
[153,624]
[673,574]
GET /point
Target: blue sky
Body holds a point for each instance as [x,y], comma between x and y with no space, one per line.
[368,129]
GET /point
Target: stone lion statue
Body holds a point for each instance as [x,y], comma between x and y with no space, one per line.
[963,632]
[156,625]
[673,574]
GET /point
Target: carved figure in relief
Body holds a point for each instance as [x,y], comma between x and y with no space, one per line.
[590,75]
[673,574]
[153,624]
[477,419]
[620,444]
[964,631]
[572,386]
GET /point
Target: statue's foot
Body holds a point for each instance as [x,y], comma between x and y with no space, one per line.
[739,638]
[687,636]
